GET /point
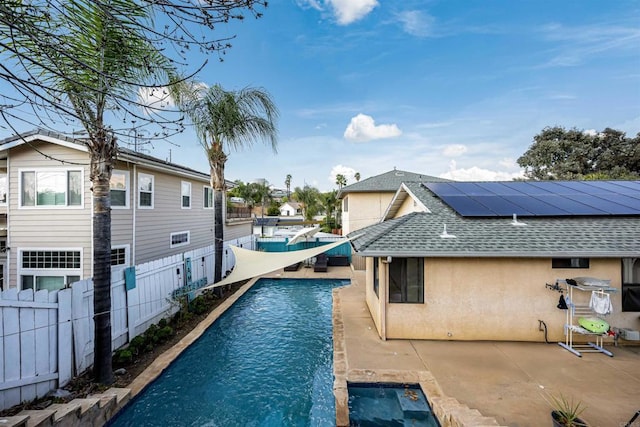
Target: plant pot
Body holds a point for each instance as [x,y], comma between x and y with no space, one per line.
[555,417]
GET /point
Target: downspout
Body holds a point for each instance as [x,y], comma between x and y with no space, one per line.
[383,290]
[134,203]
[7,264]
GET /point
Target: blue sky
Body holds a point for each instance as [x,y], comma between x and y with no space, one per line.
[455,89]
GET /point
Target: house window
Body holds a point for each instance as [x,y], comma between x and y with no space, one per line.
[3,188]
[51,188]
[119,189]
[179,239]
[345,204]
[570,263]
[376,276]
[631,284]
[119,256]
[406,280]
[207,196]
[145,191]
[186,195]
[49,269]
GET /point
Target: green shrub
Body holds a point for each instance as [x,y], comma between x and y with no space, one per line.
[162,323]
[165,333]
[123,356]
[137,344]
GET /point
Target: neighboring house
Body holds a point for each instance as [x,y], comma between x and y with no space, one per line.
[158,209]
[291,209]
[364,202]
[435,272]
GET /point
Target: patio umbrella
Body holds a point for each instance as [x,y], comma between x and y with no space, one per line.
[303,235]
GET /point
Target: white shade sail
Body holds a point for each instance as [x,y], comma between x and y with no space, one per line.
[303,235]
[256,263]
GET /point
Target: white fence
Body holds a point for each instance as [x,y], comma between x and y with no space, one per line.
[35,344]
[39,330]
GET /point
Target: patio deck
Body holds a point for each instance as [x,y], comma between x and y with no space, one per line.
[507,381]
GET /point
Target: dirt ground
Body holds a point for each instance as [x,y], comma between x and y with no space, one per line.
[83,385]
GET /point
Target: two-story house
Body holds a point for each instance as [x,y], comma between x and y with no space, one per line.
[158,209]
[365,202]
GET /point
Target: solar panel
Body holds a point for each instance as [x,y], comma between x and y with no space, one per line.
[540,198]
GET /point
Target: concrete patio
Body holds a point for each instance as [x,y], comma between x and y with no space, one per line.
[507,381]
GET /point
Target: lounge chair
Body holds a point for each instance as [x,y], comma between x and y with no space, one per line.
[321,263]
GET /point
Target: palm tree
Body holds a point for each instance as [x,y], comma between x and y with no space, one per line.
[310,199]
[226,120]
[341,181]
[287,182]
[107,57]
[357,176]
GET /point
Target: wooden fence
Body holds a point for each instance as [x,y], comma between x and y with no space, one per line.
[35,344]
[48,337]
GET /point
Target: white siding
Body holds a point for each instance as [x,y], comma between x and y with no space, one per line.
[43,227]
[154,226]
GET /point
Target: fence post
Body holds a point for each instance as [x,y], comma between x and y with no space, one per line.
[65,354]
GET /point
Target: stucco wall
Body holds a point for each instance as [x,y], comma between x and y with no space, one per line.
[364,209]
[492,299]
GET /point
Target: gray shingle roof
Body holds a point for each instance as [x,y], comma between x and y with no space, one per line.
[418,234]
[387,182]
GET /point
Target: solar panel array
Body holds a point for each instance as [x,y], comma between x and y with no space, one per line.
[540,198]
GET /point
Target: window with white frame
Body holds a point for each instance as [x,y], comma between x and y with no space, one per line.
[186,195]
[181,238]
[49,269]
[120,256]
[345,204]
[3,188]
[59,187]
[119,189]
[145,191]
[207,197]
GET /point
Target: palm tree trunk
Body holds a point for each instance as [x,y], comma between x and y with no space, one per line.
[217,159]
[100,176]
[218,197]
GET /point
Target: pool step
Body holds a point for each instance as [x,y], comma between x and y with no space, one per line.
[412,402]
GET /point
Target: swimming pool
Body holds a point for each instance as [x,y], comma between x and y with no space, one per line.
[267,361]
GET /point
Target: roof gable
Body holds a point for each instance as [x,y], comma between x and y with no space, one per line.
[387,182]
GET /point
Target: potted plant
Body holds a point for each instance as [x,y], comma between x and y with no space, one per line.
[566,412]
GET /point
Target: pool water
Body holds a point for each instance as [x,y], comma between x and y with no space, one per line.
[388,405]
[267,361]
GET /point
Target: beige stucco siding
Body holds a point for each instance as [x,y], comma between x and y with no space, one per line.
[364,209]
[493,299]
[44,227]
[155,226]
[409,205]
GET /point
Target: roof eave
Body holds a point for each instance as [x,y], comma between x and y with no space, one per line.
[496,254]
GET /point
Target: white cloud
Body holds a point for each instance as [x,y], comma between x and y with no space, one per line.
[454,150]
[416,23]
[346,171]
[475,173]
[153,99]
[509,163]
[363,128]
[348,11]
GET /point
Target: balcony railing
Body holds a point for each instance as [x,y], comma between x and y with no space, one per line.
[238,213]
